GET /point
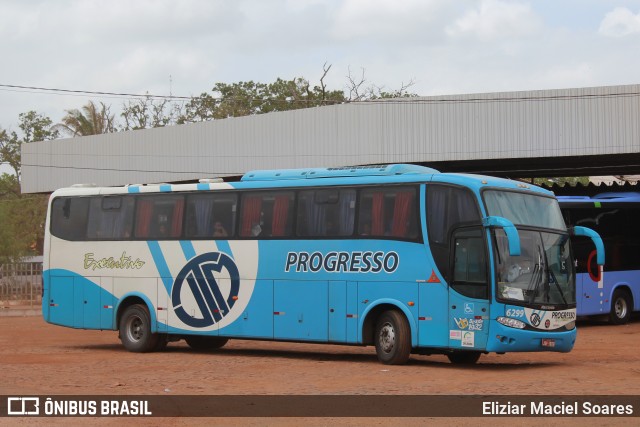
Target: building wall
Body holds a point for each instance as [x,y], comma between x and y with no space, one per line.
[507,125]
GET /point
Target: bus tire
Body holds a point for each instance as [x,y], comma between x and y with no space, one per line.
[393,338]
[464,357]
[201,342]
[135,330]
[621,307]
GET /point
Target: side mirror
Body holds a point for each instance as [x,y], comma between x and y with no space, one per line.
[595,237]
[510,230]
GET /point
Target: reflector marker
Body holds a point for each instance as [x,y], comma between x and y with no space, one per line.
[434,277]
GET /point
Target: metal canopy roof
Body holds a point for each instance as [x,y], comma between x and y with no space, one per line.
[567,132]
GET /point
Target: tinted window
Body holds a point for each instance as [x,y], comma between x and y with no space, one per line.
[470,263]
[110,217]
[448,208]
[266,214]
[159,216]
[619,228]
[211,215]
[326,212]
[388,212]
[69,218]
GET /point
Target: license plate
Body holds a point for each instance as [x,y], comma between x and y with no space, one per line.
[548,342]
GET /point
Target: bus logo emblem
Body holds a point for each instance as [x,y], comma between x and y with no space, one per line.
[198,275]
[535,319]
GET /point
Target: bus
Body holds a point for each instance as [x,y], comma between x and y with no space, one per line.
[400,257]
[614,289]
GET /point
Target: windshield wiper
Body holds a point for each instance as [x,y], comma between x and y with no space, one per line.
[534,281]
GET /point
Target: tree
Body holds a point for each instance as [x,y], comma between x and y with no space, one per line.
[92,120]
[359,90]
[35,127]
[561,181]
[22,217]
[247,98]
[146,113]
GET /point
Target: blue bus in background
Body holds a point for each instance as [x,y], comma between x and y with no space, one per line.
[400,257]
[614,289]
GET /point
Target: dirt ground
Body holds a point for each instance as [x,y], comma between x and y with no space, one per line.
[38,358]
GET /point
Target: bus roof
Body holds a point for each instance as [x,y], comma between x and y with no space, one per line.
[351,175]
[339,172]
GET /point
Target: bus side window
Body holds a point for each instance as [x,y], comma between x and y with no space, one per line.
[159,216]
[211,215]
[326,212]
[267,214]
[388,212]
[69,218]
[110,217]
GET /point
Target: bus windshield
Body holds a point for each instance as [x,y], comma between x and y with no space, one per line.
[525,209]
[543,272]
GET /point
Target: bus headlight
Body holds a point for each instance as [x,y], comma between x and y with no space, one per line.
[512,323]
[570,325]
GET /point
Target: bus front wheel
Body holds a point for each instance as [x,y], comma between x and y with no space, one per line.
[393,338]
[621,307]
[135,330]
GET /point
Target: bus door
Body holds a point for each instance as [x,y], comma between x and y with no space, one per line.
[468,290]
[590,288]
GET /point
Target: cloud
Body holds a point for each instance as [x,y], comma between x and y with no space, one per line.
[495,19]
[445,46]
[383,19]
[620,22]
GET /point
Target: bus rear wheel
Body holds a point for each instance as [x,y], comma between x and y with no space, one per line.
[199,342]
[621,307]
[135,330]
[464,357]
[393,338]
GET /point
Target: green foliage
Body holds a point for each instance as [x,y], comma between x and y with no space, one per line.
[21,220]
[22,217]
[149,113]
[247,98]
[92,120]
[35,127]
[562,181]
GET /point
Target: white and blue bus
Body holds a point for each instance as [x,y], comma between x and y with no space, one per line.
[398,256]
[613,289]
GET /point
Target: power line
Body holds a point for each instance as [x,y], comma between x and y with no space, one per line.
[209,173]
[72,92]
[89,92]
[401,100]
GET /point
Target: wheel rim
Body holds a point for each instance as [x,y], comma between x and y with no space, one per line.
[620,308]
[387,338]
[135,328]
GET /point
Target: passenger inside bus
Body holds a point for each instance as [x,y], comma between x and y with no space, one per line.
[219,230]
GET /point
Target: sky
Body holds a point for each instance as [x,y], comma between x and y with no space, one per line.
[184,47]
